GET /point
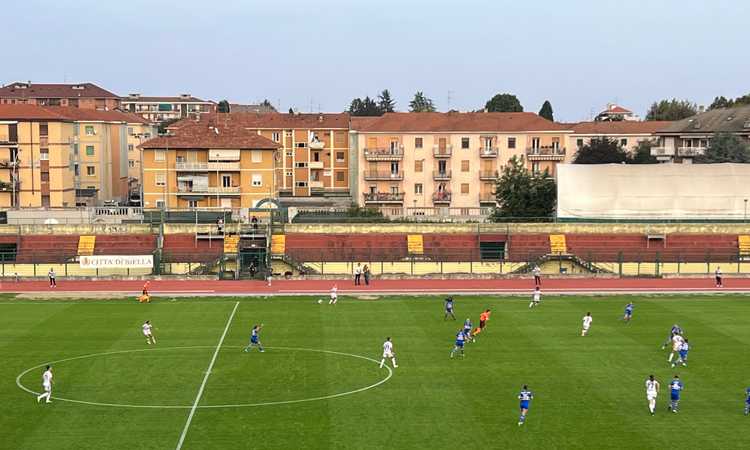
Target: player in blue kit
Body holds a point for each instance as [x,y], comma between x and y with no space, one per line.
[747,401]
[674,331]
[683,354]
[449,308]
[675,389]
[628,312]
[255,339]
[525,398]
[467,330]
[459,345]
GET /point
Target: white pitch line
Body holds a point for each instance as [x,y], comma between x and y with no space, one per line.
[205,378]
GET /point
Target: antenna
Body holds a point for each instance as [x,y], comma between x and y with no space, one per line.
[449,99]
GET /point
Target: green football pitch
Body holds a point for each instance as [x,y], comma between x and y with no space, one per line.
[319,385]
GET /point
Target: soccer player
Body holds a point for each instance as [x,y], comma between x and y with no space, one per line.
[628,312]
[459,345]
[536,298]
[483,318]
[652,391]
[675,388]
[334,295]
[525,398]
[587,319]
[683,354]
[747,401]
[467,330]
[255,339]
[717,274]
[46,385]
[388,353]
[677,341]
[537,276]
[52,278]
[145,297]
[147,331]
[449,308]
[675,330]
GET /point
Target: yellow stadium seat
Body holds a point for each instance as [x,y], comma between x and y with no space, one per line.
[744,245]
[415,244]
[86,245]
[231,243]
[557,243]
[278,244]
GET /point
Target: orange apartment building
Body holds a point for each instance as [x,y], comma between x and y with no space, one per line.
[208,164]
[447,159]
[82,95]
[314,157]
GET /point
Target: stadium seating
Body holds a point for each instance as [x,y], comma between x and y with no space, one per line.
[125,244]
[185,247]
[86,245]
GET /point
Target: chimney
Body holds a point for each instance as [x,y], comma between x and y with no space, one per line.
[185,95]
[134,95]
[320,118]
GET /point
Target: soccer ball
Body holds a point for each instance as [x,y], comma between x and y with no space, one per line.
[320,301]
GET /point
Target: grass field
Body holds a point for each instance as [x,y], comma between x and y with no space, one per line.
[589,392]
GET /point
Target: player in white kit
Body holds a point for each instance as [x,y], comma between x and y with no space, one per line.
[587,319]
[677,341]
[334,295]
[46,385]
[652,390]
[536,299]
[388,353]
[147,331]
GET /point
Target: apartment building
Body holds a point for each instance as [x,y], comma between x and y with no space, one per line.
[139,130]
[627,133]
[82,95]
[162,109]
[448,159]
[685,139]
[208,163]
[616,113]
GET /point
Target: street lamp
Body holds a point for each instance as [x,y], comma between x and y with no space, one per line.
[745,219]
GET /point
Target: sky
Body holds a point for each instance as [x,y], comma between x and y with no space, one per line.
[317,55]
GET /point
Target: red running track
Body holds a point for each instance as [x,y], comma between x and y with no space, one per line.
[406,286]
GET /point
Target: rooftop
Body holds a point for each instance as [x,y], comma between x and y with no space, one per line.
[281,120]
[184,98]
[619,127]
[456,122]
[211,135]
[723,120]
[54,90]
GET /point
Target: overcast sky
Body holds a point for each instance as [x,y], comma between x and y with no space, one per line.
[319,54]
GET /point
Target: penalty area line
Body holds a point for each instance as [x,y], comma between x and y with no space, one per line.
[205,379]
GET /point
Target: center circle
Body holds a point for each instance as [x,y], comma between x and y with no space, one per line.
[388,375]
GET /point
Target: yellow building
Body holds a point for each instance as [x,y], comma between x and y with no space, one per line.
[448,159]
[208,164]
[139,130]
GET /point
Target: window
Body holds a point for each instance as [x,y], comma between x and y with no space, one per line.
[90,170]
[511,142]
[418,189]
[465,165]
[535,167]
[161,179]
[89,150]
[131,163]
[340,157]
[316,156]
[130,147]
[288,133]
[289,173]
[275,136]
[257,180]
[418,165]
[623,142]
[256,156]
[301,144]
[130,131]
[43,129]
[44,154]
[76,170]
[290,153]
[535,142]
[394,190]
[160,204]
[45,176]
[160,155]
[464,188]
[226,181]
[300,165]
[75,149]
[301,184]
[418,142]
[579,143]
[192,204]
[340,176]
[464,142]
[89,130]
[146,135]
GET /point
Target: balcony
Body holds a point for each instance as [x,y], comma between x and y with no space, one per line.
[442,152]
[441,197]
[316,185]
[210,190]
[663,152]
[690,152]
[487,197]
[488,152]
[6,140]
[384,197]
[374,175]
[385,154]
[441,175]
[549,153]
[489,175]
[8,164]
[316,145]
[6,186]
[203,166]
[315,164]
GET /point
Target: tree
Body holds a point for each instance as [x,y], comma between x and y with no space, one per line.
[223,106]
[420,103]
[725,148]
[601,151]
[521,193]
[671,110]
[546,111]
[364,107]
[385,103]
[723,102]
[503,103]
[642,153]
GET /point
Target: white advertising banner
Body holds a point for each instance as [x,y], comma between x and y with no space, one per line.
[117,262]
